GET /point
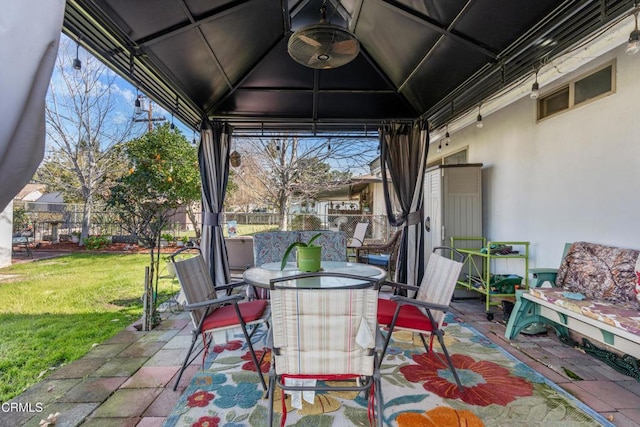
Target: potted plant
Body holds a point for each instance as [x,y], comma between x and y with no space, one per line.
[309,255]
[75,236]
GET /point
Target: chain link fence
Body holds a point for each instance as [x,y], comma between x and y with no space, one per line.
[63,221]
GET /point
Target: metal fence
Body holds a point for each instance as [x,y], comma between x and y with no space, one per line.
[60,221]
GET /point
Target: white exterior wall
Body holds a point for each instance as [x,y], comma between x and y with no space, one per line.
[572,177]
[6,228]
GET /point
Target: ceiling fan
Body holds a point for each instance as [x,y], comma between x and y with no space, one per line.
[323,45]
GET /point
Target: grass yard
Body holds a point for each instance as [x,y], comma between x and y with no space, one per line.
[251,229]
[53,311]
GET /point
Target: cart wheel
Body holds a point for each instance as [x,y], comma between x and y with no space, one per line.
[489,315]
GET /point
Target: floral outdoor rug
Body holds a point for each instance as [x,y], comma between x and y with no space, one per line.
[417,389]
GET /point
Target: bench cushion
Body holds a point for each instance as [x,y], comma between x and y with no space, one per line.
[622,316]
[599,272]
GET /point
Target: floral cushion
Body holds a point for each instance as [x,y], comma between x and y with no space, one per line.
[271,246]
[334,244]
[638,280]
[601,273]
[622,316]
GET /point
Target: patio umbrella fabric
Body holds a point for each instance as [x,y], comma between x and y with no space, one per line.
[213,157]
[29,53]
[404,148]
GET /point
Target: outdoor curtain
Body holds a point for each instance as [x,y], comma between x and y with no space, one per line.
[213,157]
[29,53]
[404,148]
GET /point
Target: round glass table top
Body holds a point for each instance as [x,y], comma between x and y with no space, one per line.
[262,276]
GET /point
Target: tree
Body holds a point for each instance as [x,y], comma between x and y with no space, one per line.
[84,130]
[281,168]
[163,174]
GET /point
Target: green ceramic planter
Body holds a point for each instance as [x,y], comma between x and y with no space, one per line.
[309,258]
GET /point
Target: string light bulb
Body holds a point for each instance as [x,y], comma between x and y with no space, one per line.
[77,64]
[440,146]
[447,137]
[633,46]
[479,123]
[535,88]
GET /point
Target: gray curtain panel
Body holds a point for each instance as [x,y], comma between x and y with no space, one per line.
[29,53]
[404,148]
[213,157]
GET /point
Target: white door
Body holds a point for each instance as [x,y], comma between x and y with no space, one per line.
[432,211]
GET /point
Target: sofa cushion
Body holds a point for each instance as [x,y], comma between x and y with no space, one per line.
[601,273]
[622,316]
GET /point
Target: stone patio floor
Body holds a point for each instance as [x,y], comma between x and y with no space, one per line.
[128,380]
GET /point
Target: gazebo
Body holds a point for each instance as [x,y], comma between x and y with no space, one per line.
[315,66]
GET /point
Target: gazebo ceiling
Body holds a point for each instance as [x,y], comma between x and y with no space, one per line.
[419,59]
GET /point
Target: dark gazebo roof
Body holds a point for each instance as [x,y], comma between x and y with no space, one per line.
[419,59]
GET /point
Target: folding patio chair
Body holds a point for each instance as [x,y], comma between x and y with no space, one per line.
[212,314]
[358,235]
[424,314]
[324,334]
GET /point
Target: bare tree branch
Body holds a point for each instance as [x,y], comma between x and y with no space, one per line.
[84,130]
[276,170]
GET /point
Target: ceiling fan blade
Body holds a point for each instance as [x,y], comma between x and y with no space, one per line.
[347,47]
[309,40]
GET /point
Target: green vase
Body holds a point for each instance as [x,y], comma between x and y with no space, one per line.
[309,258]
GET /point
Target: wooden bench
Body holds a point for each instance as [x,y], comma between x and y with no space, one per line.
[609,312]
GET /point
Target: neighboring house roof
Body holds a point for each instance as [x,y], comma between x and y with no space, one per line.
[30,192]
[55,197]
[354,186]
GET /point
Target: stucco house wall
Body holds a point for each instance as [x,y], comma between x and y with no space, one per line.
[571,177]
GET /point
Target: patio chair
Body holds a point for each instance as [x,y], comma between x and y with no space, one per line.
[424,314]
[358,235]
[324,334]
[211,314]
[384,255]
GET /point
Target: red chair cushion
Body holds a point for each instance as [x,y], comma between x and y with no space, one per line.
[409,317]
[226,316]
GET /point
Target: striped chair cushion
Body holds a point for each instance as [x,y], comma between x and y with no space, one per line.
[439,282]
[320,331]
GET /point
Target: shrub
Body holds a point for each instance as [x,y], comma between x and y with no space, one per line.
[20,219]
[97,242]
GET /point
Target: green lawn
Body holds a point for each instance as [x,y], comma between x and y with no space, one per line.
[251,229]
[53,311]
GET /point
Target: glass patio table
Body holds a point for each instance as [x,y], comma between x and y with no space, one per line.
[262,276]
